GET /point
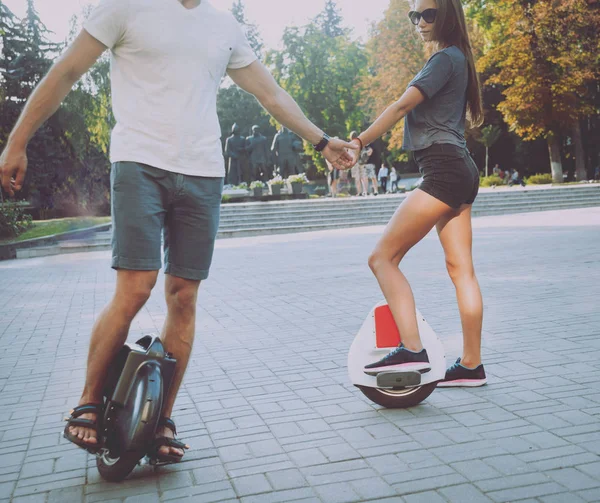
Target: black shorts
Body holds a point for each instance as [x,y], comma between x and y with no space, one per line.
[449,174]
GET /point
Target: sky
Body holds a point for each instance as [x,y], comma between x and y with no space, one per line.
[271,16]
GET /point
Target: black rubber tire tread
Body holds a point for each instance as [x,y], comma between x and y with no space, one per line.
[400,401]
[121,469]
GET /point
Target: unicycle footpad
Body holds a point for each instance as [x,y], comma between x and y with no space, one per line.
[395,380]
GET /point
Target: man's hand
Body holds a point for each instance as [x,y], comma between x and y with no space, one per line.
[340,153]
[13,165]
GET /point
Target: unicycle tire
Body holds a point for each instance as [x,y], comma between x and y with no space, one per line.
[116,470]
[398,399]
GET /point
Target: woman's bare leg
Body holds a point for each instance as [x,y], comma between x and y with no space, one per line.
[415,217]
[456,236]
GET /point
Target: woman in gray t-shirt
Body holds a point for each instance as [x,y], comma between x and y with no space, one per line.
[435,107]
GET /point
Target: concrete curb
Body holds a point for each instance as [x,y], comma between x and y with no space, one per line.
[9,250]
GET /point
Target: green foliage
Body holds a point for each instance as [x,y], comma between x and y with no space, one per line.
[257,184]
[13,220]
[238,10]
[321,68]
[395,55]
[489,135]
[539,179]
[43,228]
[237,106]
[68,169]
[489,181]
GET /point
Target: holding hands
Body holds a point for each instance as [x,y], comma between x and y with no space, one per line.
[341,154]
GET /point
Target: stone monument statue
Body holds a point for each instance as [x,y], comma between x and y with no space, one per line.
[286,150]
[235,149]
[256,145]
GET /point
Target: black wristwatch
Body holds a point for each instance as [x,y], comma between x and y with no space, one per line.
[322,144]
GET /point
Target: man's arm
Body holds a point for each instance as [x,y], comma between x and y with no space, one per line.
[43,102]
[258,81]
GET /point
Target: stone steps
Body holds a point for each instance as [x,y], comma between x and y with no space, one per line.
[280,217]
[385,211]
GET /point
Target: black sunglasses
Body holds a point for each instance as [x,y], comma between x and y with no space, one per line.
[428,16]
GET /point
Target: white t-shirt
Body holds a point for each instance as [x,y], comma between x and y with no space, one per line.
[167,63]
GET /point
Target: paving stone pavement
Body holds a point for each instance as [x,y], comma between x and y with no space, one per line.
[266,403]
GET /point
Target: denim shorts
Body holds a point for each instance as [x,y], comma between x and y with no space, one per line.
[449,174]
[147,202]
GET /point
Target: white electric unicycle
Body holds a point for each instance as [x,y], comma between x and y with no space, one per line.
[379,335]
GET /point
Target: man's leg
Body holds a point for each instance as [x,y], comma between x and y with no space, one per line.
[137,209]
[178,337]
[190,231]
[109,335]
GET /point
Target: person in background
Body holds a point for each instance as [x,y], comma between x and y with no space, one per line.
[383,177]
[516,178]
[332,179]
[370,170]
[358,174]
[393,180]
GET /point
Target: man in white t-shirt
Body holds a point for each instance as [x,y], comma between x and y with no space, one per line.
[167,61]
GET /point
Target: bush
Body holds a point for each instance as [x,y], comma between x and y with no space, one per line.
[489,181]
[257,184]
[539,179]
[13,220]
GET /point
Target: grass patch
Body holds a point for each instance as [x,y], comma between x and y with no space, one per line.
[42,228]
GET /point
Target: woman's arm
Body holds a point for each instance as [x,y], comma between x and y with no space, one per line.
[392,114]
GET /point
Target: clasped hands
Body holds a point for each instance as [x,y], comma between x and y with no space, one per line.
[342,154]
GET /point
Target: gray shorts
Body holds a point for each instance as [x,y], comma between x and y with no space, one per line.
[147,201]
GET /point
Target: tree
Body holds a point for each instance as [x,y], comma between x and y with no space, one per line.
[544,54]
[252,34]
[330,21]
[27,56]
[395,56]
[68,166]
[235,105]
[489,136]
[323,74]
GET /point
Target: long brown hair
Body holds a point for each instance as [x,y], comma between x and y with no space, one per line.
[451,29]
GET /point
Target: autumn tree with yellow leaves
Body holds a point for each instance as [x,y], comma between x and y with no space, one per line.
[546,56]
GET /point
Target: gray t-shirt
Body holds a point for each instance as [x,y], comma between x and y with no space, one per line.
[441,117]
